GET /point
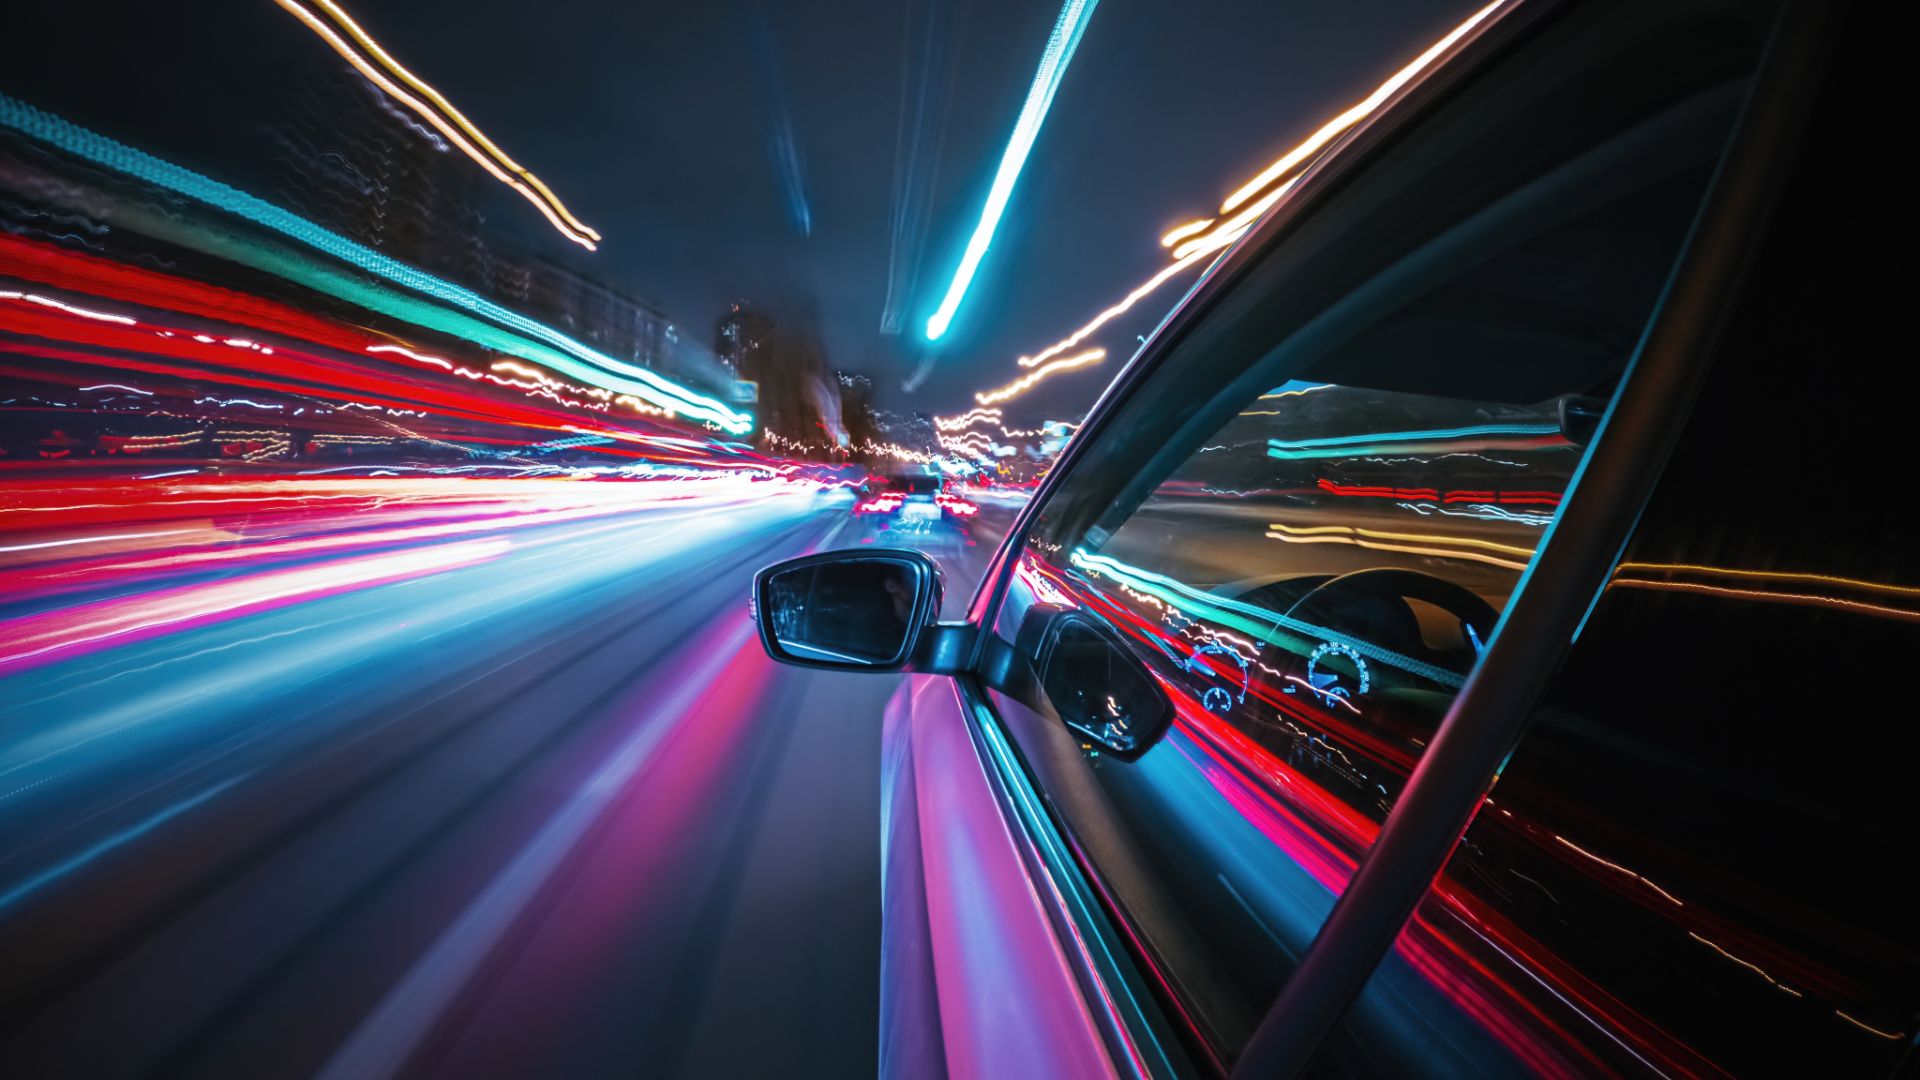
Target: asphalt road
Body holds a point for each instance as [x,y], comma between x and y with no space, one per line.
[545,810]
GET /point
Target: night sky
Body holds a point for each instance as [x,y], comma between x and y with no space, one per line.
[656,124]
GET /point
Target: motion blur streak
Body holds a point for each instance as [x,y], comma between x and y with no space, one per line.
[1140,292]
[82,858]
[383,1042]
[1799,577]
[1046,82]
[966,420]
[405,762]
[1857,607]
[1313,839]
[1181,232]
[1197,240]
[487,155]
[1234,227]
[1447,547]
[280,520]
[549,347]
[36,639]
[1026,382]
[1318,141]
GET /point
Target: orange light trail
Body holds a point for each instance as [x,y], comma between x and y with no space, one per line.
[972,444]
[1859,607]
[1635,575]
[966,420]
[1870,1029]
[1203,237]
[1629,871]
[1026,382]
[1769,575]
[1132,298]
[1446,547]
[1234,227]
[1181,232]
[447,119]
[1318,141]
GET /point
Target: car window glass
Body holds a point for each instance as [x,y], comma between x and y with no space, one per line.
[1699,859]
[1304,525]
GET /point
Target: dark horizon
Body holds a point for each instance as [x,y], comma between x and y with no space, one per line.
[665,132]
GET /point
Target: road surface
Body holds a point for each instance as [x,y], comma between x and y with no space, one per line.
[524,800]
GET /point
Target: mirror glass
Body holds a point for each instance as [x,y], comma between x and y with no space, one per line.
[1100,691]
[853,612]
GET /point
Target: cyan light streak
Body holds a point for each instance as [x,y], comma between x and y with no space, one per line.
[120,839]
[1384,442]
[584,363]
[1250,619]
[1046,82]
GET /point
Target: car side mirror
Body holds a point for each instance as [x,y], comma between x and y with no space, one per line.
[1099,689]
[1580,417]
[860,610]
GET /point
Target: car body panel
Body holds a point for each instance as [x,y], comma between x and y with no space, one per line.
[991,993]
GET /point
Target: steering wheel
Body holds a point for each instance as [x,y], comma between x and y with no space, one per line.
[1375,589]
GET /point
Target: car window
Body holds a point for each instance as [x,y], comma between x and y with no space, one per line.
[1297,536]
[1699,859]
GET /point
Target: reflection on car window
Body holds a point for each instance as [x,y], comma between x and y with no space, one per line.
[1310,588]
[1305,525]
[848,612]
[1698,861]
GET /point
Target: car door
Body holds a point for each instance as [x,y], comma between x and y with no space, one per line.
[1229,631]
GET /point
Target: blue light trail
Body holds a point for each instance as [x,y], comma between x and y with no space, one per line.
[1046,82]
[1387,441]
[583,363]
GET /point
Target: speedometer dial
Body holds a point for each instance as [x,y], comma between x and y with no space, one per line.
[1229,685]
[1337,674]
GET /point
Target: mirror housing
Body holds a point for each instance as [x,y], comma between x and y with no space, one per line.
[1580,417]
[864,609]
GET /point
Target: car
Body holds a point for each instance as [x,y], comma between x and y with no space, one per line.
[915,497]
[1467,637]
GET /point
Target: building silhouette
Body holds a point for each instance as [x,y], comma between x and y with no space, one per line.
[349,159]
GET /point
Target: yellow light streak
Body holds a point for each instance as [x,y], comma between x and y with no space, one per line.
[1181,232]
[1318,141]
[1859,607]
[345,22]
[1622,869]
[966,420]
[1749,965]
[492,158]
[1769,575]
[1200,238]
[1026,382]
[1441,538]
[1132,298]
[1233,228]
[1417,543]
[1869,1028]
